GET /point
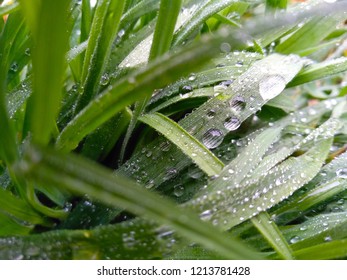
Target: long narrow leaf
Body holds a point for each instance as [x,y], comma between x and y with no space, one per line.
[49,23]
[199,154]
[81,176]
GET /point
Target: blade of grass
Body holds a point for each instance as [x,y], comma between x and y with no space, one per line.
[18,208]
[7,224]
[194,149]
[272,234]
[134,86]
[162,38]
[206,10]
[104,30]
[236,204]
[329,250]
[310,34]
[320,70]
[83,177]
[8,149]
[49,23]
[233,105]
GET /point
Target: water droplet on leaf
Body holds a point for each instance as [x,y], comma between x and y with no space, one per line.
[213,138]
[232,123]
[270,86]
[342,173]
[105,79]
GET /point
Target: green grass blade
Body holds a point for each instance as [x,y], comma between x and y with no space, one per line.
[238,203]
[194,149]
[8,149]
[220,115]
[276,4]
[104,30]
[76,51]
[98,144]
[140,9]
[81,176]
[320,70]
[167,17]
[9,225]
[323,187]
[133,240]
[206,10]
[165,26]
[135,86]
[330,250]
[86,21]
[18,208]
[238,169]
[273,234]
[48,22]
[310,34]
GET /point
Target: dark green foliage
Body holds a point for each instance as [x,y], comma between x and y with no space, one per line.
[155,129]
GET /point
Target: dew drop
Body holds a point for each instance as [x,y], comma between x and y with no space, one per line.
[27,52]
[226,83]
[342,173]
[14,67]
[192,77]
[170,173]
[212,138]
[178,190]
[328,239]
[237,103]
[105,79]
[271,86]
[206,215]
[294,239]
[239,64]
[232,123]
[225,47]
[211,113]
[186,89]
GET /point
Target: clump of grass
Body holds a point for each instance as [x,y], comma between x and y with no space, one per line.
[146,129]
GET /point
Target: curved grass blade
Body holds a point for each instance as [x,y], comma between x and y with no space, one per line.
[320,70]
[162,38]
[233,205]
[218,116]
[133,240]
[8,149]
[19,209]
[133,87]
[329,250]
[225,68]
[9,225]
[76,51]
[103,33]
[49,24]
[140,9]
[312,232]
[310,34]
[272,234]
[98,144]
[324,186]
[84,177]
[165,26]
[206,10]
[247,160]
[194,149]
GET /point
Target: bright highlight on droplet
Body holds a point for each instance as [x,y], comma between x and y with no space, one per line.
[271,86]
